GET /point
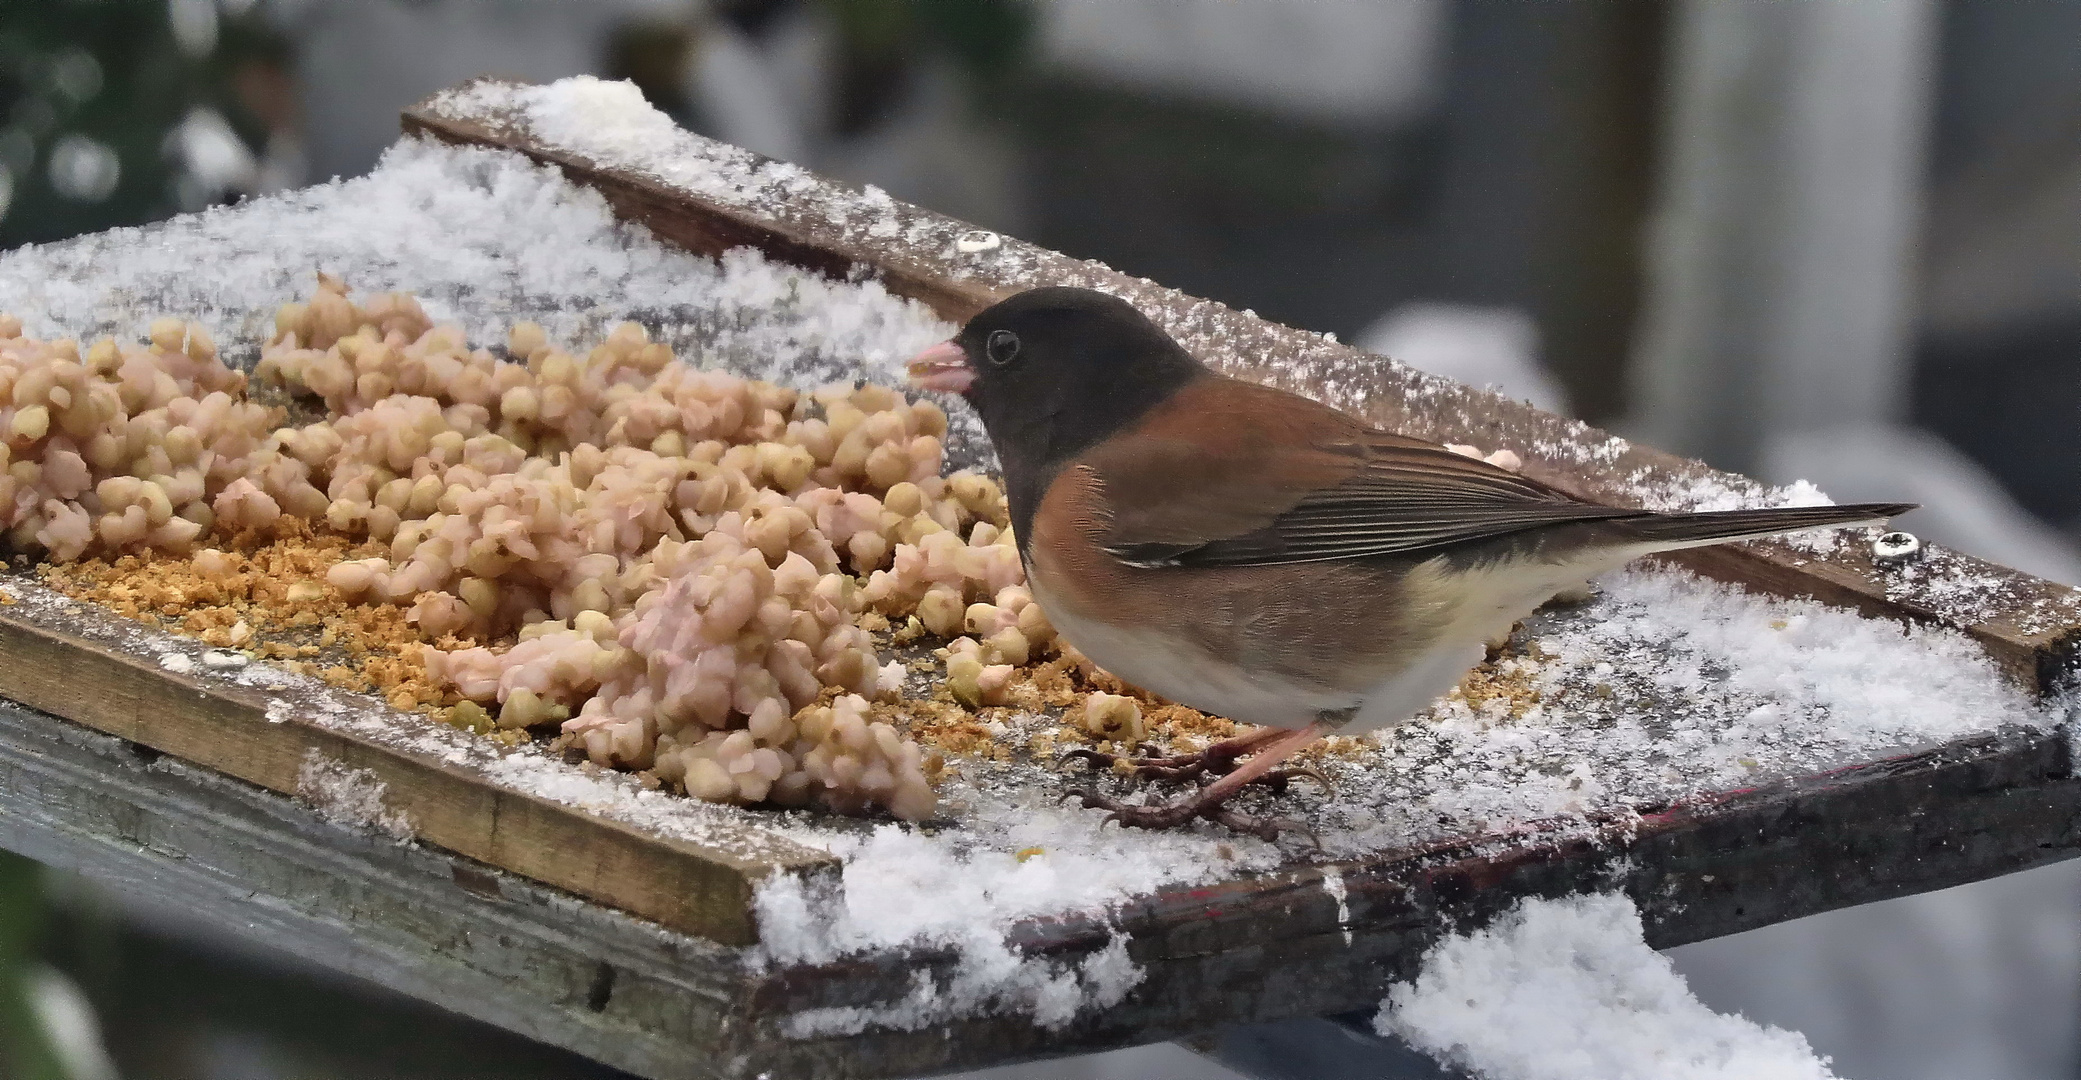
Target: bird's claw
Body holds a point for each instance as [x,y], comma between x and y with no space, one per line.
[1219,759]
[1172,815]
[1277,778]
[1266,829]
[1152,764]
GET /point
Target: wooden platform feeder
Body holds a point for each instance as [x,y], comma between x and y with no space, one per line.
[640,947]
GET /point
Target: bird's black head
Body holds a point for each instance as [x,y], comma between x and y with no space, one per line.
[1053,371]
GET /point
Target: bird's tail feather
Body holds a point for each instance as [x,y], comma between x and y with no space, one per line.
[1671,531]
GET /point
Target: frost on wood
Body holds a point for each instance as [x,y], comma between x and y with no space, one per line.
[349,795]
[1570,990]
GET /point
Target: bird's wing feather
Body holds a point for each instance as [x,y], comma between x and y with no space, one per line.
[1257,478]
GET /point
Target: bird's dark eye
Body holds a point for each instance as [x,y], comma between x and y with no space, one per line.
[1003,347]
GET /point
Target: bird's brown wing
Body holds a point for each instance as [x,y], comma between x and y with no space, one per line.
[1231,474]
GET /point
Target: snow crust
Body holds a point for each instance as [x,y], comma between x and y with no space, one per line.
[349,795]
[1569,990]
[963,890]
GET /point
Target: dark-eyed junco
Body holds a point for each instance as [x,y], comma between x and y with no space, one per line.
[1257,555]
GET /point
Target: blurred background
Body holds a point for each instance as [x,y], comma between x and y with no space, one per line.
[1837,241]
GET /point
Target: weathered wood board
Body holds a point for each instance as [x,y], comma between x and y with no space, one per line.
[1308,938]
[665,1004]
[94,667]
[438,926]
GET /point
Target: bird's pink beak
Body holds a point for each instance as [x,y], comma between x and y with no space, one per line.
[942,367]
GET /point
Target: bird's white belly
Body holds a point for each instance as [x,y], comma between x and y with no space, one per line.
[1396,700]
[1484,603]
[1183,672]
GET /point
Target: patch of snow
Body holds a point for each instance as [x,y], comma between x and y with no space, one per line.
[1569,990]
[348,795]
[263,676]
[486,237]
[1722,492]
[964,890]
[1960,586]
[177,663]
[989,977]
[1333,884]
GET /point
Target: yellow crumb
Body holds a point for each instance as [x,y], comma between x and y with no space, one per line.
[269,595]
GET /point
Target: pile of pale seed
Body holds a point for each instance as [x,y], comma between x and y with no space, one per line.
[673,564]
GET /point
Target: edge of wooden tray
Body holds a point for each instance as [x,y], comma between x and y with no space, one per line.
[89,665]
[1317,940]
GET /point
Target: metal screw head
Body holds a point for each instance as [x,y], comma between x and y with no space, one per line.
[975,240]
[1896,547]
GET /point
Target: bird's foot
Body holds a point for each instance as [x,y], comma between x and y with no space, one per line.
[1198,805]
[1277,778]
[1149,766]
[1147,763]
[1265,749]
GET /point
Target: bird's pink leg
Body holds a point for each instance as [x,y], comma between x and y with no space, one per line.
[1236,746]
[1207,801]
